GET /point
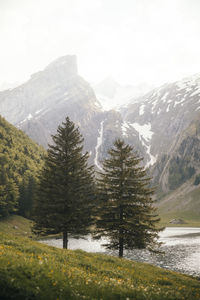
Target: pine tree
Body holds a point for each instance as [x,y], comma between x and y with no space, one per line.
[126,214]
[66,187]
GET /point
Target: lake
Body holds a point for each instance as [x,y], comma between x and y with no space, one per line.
[181,247]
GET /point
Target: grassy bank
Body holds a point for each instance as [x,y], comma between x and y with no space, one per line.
[189,222]
[20,226]
[29,270]
[183,203]
[16,225]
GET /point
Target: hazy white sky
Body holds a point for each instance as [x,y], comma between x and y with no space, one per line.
[132,41]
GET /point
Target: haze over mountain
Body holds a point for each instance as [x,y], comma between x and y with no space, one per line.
[8,85]
[162,125]
[112,95]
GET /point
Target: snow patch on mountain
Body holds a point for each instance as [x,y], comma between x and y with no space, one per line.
[141,111]
[154,103]
[143,130]
[38,111]
[196,92]
[181,85]
[152,160]
[42,112]
[99,143]
[105,102]
[167,110]
[179,102]
[124,127]
[29,117]
[164,97]
[98,104]
[189,83]
[145,136]
[159,111]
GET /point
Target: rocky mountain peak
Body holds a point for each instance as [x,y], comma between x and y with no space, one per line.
[66,63]
[63,68]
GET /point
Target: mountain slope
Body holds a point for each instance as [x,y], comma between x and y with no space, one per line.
[41,104]
[182,203]
[20,160]
[167,112]
[163,125]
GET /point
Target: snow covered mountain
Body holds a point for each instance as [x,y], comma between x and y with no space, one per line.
[158,124]
[162,125]
[39,105]
[161,119]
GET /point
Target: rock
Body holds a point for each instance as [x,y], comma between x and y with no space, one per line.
[177,221]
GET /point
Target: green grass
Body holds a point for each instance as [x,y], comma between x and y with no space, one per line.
[181,205]
[16,225]
[30,270]
[189,221]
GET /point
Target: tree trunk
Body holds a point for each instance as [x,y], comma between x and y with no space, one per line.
[121,246]
[65,240]
[121,234]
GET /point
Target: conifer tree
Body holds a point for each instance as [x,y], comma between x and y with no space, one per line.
[66,188]
[126,214]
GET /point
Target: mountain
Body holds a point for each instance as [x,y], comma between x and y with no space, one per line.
[169,114]
[167,121]
[112,95]
[6,85]
[39,105]
[153,123]
[20,160]
[179,171]
[162,125]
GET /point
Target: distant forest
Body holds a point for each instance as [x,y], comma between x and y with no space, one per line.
[21,159]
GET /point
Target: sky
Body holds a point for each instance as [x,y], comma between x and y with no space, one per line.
[132,41]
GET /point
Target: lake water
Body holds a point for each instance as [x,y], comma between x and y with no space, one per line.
[181,247]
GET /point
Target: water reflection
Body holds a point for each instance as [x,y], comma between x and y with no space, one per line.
[181,247]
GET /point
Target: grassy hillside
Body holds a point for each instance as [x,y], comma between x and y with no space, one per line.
[29,270]
[183,203]
[24,154]
[16,225]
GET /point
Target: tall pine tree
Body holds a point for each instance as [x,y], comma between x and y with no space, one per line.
[126,214]
[66,188]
